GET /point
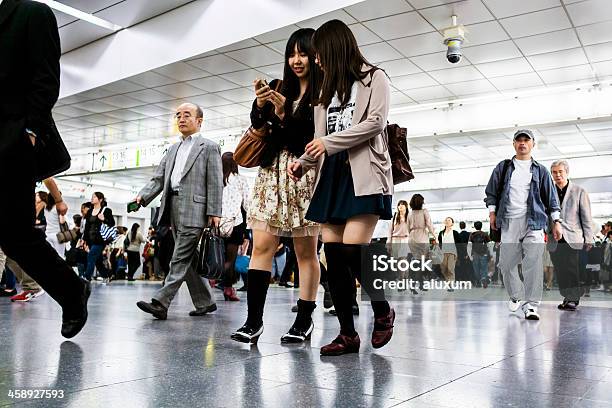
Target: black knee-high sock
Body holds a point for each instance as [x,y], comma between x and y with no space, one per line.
[259,281]
[304,314]
[353,255]
[340,283]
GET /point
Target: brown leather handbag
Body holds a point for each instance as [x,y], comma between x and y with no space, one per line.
[250,149]
[398,150]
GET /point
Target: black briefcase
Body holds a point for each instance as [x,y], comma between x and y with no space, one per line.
[211,262]
[52,157]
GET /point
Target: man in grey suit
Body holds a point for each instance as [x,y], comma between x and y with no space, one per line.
[191,179]
[578,232]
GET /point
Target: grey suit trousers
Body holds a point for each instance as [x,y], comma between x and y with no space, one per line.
[183,264]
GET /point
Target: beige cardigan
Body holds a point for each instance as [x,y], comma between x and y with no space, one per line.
[365,140]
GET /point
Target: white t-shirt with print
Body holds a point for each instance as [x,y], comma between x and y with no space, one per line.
[339,117]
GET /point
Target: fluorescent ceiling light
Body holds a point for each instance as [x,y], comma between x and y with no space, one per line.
[575,148]
[90,18]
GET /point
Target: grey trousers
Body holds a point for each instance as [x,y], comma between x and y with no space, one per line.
[519,244]
[26,282]
[183,265]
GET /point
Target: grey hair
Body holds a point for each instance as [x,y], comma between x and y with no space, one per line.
[562,162]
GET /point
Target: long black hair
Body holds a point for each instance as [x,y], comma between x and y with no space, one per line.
[134,231]
[229,166]
[396,218]
[302,39]
[341,60]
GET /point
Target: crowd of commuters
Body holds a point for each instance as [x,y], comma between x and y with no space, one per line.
[325,171]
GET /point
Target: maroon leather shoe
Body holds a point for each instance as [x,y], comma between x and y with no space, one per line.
[383,329]
[342,345]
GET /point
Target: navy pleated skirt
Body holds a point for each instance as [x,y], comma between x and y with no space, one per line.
[334,200]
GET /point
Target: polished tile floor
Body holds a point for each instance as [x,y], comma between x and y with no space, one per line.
[443,354]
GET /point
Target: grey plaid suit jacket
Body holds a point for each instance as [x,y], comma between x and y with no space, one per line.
[577,223]
[201,188]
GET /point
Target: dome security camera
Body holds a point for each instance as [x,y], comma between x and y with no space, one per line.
[454,36]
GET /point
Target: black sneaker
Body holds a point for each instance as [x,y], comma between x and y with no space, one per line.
[248,334]
[295,335]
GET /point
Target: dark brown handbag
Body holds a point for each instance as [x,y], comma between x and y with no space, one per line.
[66,234]
[251,147]
[398,150]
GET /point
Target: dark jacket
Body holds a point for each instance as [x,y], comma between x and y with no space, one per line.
[541,203]
[91,233]
[455,237]
[29,70]
[293,133]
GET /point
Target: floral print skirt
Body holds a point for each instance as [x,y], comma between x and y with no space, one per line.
[279,204]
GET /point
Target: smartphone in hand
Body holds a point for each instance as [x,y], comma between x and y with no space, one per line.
[262,83]
[133,206]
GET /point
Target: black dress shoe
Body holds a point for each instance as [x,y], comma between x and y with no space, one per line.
[202,312]
[155,308]
[248,334]
[242,289]
[295,335]
[4,293]
[73,320]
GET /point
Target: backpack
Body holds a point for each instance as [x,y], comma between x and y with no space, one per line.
[479,243]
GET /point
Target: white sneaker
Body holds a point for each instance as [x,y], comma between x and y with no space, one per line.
[514,305]
[531,313]
[39,293]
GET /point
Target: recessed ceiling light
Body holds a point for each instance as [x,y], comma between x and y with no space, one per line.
[575,148]
[90,18]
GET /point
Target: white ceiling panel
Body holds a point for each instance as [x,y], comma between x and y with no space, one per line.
[63,19]
[364,35]
[372,9]
[506,67]
[399,26]
[149,96]
[380,52]
[79,33]
[121,101]
[581,72]
[471,87]
[181,71]
[505,8]
[528,80]
[282,34]
[96,106]
[316,22]
[249,42]
[432,62]
[398,98]
[238,95]
[492,52]
[278,46]
[122,86]
[421,4]
[273,71]
[461,74]
[71,111]
[429,93]
[536,23]
[126,114]
[399,67]
[485,33]
[213,84]
[558,59]
[151,79]
[180,90]
[595,33]
[128,13]
[243,78]
[603,68]
[233,110]
[217,64]
[589,12]
[599,52]
[419,44]
[209,100]
[256,56]
[468,12]
[413,81]
[549,42]
[150,110]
